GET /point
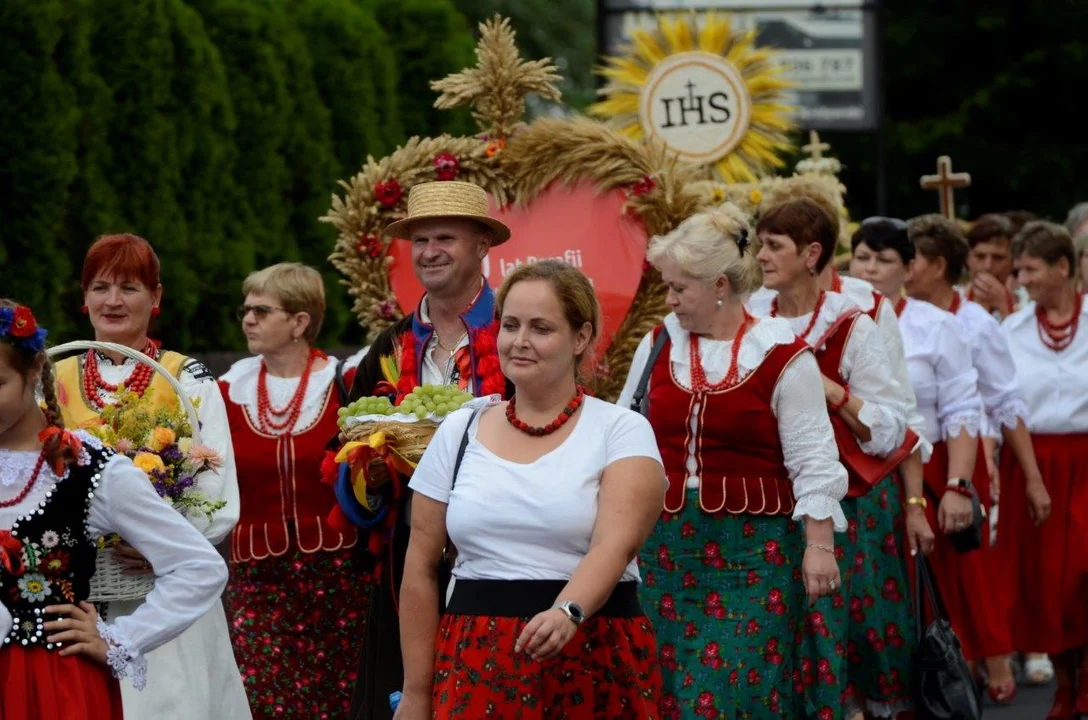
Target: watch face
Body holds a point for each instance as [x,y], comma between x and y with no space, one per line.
[576,612]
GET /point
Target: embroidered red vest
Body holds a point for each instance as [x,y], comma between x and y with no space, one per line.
[738,455]
[283,501]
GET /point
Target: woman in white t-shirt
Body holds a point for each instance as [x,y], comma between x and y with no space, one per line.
[555,493]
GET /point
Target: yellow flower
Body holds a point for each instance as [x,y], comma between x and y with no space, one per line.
[162,437]
[148,462]
[719,195]
[755,197]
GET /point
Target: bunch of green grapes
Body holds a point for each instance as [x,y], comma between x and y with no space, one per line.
[365,406]
[440,400]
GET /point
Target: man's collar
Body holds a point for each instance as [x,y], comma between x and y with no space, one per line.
[480,312]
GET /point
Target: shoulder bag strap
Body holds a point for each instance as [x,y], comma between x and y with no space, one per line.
[639,402]
[451,552]
[341,386]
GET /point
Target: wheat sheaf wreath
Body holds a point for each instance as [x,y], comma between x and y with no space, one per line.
[514,162]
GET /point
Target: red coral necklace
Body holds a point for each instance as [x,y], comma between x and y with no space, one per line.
[29,484]
[137,382]
[815,314]
[560,421]
[292,410]
[699,383]
[1057,336]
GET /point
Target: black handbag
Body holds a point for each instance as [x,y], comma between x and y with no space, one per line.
[449,553]
[942,682]
[970,538]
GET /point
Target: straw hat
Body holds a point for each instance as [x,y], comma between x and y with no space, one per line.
[448,199]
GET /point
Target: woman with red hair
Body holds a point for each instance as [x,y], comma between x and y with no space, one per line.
[194,675]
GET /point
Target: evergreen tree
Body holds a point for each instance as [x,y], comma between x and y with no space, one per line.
[430,40]
[38,119]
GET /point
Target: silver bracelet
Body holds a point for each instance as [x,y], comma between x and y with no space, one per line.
[817,546]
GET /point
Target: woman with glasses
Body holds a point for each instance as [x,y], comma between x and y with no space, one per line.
[193,675]
[296,605]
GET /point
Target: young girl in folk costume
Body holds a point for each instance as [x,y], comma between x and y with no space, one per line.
[195,675]
[867,629]
[1047,564]
[59,492]
[740,420]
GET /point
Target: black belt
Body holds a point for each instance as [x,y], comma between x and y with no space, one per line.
[526,598]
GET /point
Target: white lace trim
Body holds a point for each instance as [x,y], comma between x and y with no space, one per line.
[16,466]
[1010,414]
[242,378]
[123,659]
[954,425]
[716,355]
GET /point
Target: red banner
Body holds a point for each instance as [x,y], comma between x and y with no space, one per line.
[569,223]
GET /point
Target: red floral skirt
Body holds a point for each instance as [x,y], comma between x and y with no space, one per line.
[1046,568]
[40,684]
[968,582]
[607,672]
[296,623]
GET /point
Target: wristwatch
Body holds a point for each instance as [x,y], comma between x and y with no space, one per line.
[573,611]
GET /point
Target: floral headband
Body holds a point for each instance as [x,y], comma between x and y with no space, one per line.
[19,328]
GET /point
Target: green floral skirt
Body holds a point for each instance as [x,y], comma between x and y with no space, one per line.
[725,595]
[872,614]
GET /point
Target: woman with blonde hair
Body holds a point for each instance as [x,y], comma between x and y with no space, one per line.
[752,505]
[296,605]
[547,499]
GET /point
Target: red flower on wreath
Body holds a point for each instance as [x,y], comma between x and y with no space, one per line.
[643,186]
[446,166]
[495,148]
[369,245]
[387,310]
[388,192]
[23,324]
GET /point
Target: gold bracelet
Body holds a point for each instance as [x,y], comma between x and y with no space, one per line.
[919,501]
[825,548]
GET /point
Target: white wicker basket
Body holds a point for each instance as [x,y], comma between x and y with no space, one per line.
[109,581]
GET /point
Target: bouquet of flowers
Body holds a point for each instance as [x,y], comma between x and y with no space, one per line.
[159,441]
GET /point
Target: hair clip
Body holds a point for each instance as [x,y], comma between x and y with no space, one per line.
[742,240]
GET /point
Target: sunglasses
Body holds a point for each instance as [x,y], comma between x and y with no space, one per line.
[260,312]
[894,222]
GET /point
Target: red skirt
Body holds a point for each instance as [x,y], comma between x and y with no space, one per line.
[1046,568]
[40,684]
[607,671]
[967,581]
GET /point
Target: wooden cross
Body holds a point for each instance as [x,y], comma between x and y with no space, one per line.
[945,182]
[815,149]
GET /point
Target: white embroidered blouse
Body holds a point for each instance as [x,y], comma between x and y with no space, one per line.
[808,443]
[189,574]
[941,370]
[864,366]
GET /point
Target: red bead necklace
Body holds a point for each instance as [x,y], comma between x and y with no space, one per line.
[954,308]
[292,410]
[699,384]
[568,411]
[138,381]
[836,281]
[1056,336]
[815,314]
[29,484]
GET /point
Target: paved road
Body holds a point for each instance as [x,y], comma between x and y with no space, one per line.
[1031,703]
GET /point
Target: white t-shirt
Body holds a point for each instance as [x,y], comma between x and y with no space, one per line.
[517,521]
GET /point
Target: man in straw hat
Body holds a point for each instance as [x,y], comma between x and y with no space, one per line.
[449,340]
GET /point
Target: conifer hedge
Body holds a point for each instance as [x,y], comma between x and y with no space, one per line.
[217,129]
